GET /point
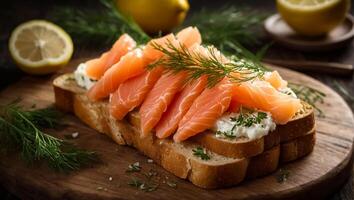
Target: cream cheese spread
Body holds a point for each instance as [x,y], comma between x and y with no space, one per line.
[82,79]
[227,124]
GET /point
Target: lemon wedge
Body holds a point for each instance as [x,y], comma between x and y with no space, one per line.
[40,47]
[313,17]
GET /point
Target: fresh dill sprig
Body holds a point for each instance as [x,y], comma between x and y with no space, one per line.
[201,153]
[214,65]
[21,129]
[228,25]
[99,27]
[310,95]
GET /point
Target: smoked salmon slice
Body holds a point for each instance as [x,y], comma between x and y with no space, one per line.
[151,54]
[165,89]
[180,105]
[262,95]
[158,99]
[275,80]
[189,36]
[98,66]
[130,65]
[205,110]
[132,93]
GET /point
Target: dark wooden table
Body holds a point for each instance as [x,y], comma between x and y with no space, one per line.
[14,12]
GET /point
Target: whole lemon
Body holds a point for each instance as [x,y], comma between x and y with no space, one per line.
[154,16]
[313,18]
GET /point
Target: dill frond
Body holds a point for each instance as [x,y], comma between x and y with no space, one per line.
[212,64]
[20,129]
[310,95]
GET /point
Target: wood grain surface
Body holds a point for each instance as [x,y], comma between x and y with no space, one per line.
[316,175]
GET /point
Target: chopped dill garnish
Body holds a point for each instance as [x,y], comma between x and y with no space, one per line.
[21,129]
[201,153]
[245,119]
[135,182]
[310,95]
[146,186]
[179,58]
[248,119]
[151,173]
[171,184]
[282,175]
[135,167]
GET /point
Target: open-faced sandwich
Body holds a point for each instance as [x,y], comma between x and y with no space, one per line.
[212,119]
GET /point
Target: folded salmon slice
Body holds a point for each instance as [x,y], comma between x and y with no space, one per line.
[132,93]
[151,54]
[189,36]
[180,105]
[262,95]
[98,66]
[158,99]
[205,110]
[130,65]
[275,80]
[168,85]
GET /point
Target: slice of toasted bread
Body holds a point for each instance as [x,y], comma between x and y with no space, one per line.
[298,148]
[177,158]
[301,124]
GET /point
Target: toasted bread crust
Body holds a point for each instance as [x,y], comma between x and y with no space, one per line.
[298,148]
[268,161]
[177,158]
[243,148]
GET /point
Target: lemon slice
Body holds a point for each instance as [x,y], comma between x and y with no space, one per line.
[40,47]
[313,17]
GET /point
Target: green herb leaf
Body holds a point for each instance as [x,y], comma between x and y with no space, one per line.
[201,153]
[135,167]
[20,129]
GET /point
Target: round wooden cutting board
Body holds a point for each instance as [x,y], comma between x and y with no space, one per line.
[315,176]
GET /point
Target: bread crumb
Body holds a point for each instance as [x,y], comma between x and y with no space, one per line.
[110,178]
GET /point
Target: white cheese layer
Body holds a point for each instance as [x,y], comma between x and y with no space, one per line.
[82,79]
[255,131]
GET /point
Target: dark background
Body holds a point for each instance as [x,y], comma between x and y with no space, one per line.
[14,12]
